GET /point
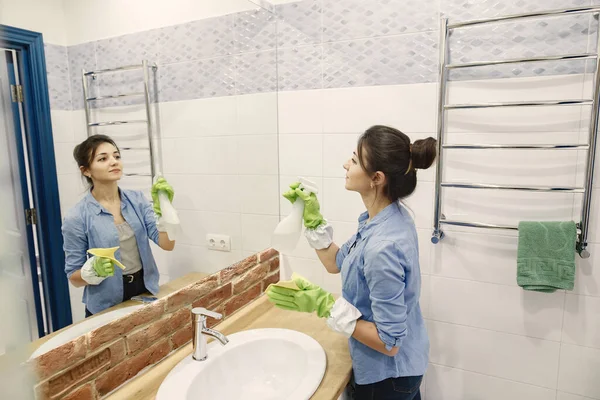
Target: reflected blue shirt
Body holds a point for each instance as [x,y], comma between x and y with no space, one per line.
[381,277]
[88,225]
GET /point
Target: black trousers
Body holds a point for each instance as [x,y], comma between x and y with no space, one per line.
[133,285]
[403,388]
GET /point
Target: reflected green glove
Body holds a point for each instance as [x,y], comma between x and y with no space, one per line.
[161,184]
[103,266]
[301,295]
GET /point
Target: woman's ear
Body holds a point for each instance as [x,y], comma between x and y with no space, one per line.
[378,178]
[85,172]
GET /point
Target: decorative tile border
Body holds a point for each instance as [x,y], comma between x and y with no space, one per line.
[323,43]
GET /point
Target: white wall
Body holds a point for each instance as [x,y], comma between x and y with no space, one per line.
[89,20]
[489,338]
[45,16]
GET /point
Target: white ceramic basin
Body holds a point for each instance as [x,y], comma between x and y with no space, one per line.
[265,364]
[85,326]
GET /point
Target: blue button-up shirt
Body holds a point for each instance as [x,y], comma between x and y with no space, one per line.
[88,225]
[381,277]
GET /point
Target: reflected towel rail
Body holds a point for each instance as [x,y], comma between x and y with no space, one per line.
[145,93]
[107,123]
[115,96]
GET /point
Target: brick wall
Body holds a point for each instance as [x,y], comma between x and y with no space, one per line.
[93,365]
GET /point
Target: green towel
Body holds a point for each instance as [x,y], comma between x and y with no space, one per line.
[546,256]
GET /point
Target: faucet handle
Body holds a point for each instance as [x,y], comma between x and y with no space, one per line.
[203,311]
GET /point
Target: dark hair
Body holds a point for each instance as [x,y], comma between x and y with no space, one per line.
[388,150]
[85,152]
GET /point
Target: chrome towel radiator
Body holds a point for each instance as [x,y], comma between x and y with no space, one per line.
[145,93]
[586,190]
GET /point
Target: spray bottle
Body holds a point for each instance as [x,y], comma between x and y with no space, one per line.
[169,218]
[287,233]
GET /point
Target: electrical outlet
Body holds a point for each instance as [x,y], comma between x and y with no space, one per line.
[218,242]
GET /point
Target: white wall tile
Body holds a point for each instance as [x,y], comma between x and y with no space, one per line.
[65,163]
[569,396]
[516,89]
[300,111]
[582,321]
[257,155]
[579,368]
[257,231]
[301,154]
[206,192]
[554,119]
[77,305]
[179,157]
[504,207]
[410,108]
[337,149]
[216,155]
[312,270]
[587,273]
[205,155]
[257,114]
[420,203]
[62,126]
[497,307]
[202,117]
[476,257]
[79,126]
[455,384]
[260,194]
[508,356]
[185,259]
[339,204]
[511,167]
[195,225]
[70,190]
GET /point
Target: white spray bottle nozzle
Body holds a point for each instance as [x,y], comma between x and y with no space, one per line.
[308,185]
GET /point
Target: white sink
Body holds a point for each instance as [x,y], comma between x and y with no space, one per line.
[265,364]
[85,326]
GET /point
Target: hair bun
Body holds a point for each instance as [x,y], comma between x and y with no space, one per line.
[423,153]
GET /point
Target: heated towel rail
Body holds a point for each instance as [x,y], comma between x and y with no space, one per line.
[590,147]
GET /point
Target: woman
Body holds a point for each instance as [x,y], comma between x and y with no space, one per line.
[109,217]
[379,309]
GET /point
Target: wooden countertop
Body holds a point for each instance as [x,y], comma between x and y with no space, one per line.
[163,291]
[259,314]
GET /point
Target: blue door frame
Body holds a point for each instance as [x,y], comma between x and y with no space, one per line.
[40,146]
[26,200]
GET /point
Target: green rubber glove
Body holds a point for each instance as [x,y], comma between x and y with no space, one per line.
[304,297]
[291,194]
[161,184]
[312,210]
[104,267]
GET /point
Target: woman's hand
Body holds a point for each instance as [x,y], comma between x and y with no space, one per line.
[161,184]
[97,269]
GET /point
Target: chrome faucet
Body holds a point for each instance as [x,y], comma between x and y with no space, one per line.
[200,329]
